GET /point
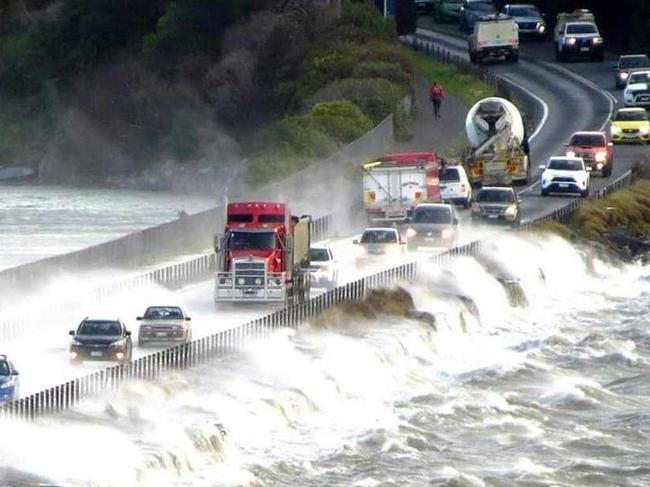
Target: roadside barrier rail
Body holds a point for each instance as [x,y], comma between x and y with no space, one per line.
[171,276]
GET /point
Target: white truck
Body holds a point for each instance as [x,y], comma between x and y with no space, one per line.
[494,37]
[498,138]
[576,34]
[395,183]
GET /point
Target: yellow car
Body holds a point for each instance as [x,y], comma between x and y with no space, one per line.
[630,125]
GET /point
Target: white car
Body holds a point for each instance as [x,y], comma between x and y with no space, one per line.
[565,175]
[637,91]
[324,268]
[380,245]
[454,186]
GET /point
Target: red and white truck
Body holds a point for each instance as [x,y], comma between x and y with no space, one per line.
[395,183]
[263,254]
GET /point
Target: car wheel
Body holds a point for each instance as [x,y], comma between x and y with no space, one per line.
[467,203]
[585,193]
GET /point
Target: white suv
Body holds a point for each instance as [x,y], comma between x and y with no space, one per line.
[323,268]
[565,175]
[454,186]
[637,91]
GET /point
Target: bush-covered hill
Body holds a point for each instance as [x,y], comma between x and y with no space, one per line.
[100,90]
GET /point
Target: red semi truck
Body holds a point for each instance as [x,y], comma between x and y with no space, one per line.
[394,184]
[263,254]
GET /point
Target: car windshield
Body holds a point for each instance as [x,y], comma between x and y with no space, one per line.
[319,255]
[565,164]
[163,313]
[240,240]
[635,116]
[449,175]
[639,78]
[95,328]
[634,62]
[495,196]
[379,237]
[587,139]
[4,367]
[522,11]
[440,214]
[581,29]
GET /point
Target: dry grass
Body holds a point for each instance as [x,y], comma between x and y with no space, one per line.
[385,301]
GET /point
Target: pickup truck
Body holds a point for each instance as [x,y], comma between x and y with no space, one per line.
[494,37]
[576,34]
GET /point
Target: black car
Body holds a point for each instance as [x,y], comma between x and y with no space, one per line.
[497,205]
[101,340]
[472,12]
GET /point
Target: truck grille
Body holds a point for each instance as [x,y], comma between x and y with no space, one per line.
[561,179]
[528,25]
[250,273]
[587,156]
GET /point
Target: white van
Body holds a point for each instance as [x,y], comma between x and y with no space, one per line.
[454,186]
[494,37]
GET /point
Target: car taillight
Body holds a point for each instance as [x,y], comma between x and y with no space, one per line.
[482,44]
[418,195]
[463,188]
[371,196]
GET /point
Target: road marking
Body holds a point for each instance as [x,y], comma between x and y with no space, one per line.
[587,82]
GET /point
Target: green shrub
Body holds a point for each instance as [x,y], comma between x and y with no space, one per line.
[340,119]
[363,20]
[376,97]
[393,72]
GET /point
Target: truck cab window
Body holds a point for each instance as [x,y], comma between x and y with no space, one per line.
[240,240]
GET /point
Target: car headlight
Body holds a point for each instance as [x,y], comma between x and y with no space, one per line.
[601,156]
[7,385]
[615,129]
[117,344]
[410,233]
[447,233]
[570,153]
[76,343]
[597,40]
[623,75]
[644,130]
[511,210]
[570,40]
[241,281]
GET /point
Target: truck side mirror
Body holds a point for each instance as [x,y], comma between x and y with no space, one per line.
[139,318]
[71,333]
[355,242]
[127,333]
[542,167]
[187,318]
[218,238]
[15,372]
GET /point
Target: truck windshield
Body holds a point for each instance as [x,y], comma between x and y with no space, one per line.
[95,328]
[240,240]
[497,196]
[379,237]
[439,214]
[581,29]
[587,139]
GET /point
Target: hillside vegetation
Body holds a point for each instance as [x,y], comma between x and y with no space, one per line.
[100,91]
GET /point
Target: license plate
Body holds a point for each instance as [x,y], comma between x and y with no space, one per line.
[430,239]
[395,213]
[494,217]
[161,334]
[584,49]
[96,353]
[564,185]
[644,98]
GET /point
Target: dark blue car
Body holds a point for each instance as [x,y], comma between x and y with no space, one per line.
[473,11]
[8,380]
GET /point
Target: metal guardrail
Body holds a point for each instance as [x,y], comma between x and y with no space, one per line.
[171,276]
[68,394]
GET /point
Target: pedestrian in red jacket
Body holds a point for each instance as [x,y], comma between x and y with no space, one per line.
[436,95]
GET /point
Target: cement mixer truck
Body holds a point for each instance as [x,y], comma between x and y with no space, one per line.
[498,138]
